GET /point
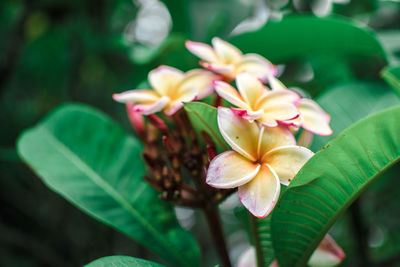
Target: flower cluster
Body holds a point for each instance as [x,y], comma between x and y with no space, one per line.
[260,124]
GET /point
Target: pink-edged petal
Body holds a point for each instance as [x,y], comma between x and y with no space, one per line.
[226,52]
[227,92]
[137,96]
[198,80]
[247,114]
[315,119]
[278,112]
[220,68]
[230,169]
[250,88]
[295,122]
[150,108]
[239,133]
[328,254]
[257,66]
[201,50]
[278,97]
[260,195]
[248,258]
[165,79]
[287,161]
[173,107]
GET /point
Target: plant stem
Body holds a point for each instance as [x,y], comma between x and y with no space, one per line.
[256,240]
[217,234]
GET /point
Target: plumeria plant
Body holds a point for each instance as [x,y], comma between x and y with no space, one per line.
[231,129]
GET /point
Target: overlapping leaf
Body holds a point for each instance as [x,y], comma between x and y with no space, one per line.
[88,159]
[330,181]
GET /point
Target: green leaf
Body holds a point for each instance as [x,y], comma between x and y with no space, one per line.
[330,181]
[89,160]
[349,102]
[392,76]
[204,118]
[122,261]
[299,36]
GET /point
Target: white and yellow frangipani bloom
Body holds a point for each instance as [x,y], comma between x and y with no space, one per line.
[254,101]
[228,61]
[171,87]
[312,117]
[261,159]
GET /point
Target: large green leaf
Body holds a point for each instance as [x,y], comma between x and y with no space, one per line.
[122,261]
[88,159]
[349,102]
[392,76]
[297,36]
[204,118]
[330,181]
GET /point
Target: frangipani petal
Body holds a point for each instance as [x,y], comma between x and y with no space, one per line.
[257,66]
[173,107]
[165,79]
[287,161]
[227,92]
[327,254]
[277,97]
[272,137]
[230,170]
[137,96]
[260,195]
[150,108]
[239,133]
[226,52]
[198,80]
[247,114]
[278,112]
[218,67]
[315,119]
[203,51]
[250,88]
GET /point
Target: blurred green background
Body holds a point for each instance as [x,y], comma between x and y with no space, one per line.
[56,51]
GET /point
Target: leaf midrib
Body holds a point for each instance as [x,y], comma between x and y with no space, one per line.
[96,178]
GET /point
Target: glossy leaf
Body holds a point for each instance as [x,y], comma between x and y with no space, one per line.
[330,181]
[349,102]
[392,76]
[204,118]
[300,36]
[122,261]
[88,159]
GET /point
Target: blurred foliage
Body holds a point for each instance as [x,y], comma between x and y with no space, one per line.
[56,51]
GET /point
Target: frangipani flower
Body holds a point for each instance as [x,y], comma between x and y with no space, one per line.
[257,102]
[312,117]
[227,60]
[171,87]
[261,159]
[327,254]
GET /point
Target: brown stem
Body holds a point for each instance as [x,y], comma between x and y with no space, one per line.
[217,234]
